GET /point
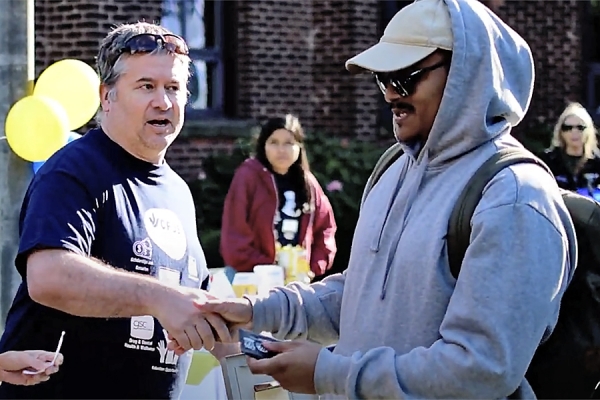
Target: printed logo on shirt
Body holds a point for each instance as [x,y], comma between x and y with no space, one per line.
[142,327]
[168,358]
[143,249]
[141,333]
[289,208]
[166,231]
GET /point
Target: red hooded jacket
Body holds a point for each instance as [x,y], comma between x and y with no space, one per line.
[248,216]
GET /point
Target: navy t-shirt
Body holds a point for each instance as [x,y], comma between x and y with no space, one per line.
[95,199]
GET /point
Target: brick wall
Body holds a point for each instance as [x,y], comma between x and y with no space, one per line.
[291,59]
[343,104]
[553,31]
[186,154]
[275,77]
[274,58]
[74,28]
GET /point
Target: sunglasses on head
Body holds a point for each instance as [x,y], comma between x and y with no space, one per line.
[567,128]
[404,82]
[149,42]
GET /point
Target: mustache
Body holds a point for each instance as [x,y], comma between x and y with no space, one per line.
[401,105]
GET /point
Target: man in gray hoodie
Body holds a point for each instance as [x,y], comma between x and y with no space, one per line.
[458,79]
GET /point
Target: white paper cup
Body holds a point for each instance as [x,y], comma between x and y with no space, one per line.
[268,277]
[244,283]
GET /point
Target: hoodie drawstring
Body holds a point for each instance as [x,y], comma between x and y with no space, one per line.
[411,184]
[377,239]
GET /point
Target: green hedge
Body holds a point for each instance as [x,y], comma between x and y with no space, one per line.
[348,161]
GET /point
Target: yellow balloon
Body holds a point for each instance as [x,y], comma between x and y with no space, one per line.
[36,127]
[73,84]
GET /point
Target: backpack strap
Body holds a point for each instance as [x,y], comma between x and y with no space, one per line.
[459,225]
[387,158]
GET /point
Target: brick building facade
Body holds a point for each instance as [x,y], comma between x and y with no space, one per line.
[267,57]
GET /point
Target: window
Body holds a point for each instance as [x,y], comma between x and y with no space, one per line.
[201,24]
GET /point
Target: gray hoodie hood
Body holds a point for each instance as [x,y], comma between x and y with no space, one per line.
[489,86]
[404,326]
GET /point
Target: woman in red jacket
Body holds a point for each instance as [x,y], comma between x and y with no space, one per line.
[274,198]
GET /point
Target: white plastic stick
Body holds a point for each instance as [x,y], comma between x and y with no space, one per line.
[49,364]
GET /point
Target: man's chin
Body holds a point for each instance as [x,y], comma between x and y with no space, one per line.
[404,135]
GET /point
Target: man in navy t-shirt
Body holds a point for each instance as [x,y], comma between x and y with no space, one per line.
[109,251]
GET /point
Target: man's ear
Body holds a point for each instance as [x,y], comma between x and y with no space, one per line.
[104,97]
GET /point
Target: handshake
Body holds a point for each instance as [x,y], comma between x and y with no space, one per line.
[195,319]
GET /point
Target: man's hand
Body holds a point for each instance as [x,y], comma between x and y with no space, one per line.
[237,312]
[223,350]
[13,363]
[188,327]
[293,368]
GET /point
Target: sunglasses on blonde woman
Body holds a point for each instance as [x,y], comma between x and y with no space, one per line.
[568,128]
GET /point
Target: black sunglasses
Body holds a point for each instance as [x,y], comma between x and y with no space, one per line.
[403,82]
[567,128]
[149,42]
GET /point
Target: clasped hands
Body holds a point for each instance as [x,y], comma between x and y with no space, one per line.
[214,324]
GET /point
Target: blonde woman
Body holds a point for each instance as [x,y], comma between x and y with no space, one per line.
[573,155]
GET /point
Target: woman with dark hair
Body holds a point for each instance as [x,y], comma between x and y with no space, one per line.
[274,200]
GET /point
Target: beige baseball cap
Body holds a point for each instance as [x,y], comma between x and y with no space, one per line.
[415,32]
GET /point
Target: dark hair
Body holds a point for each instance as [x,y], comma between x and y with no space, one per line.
[298,172]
